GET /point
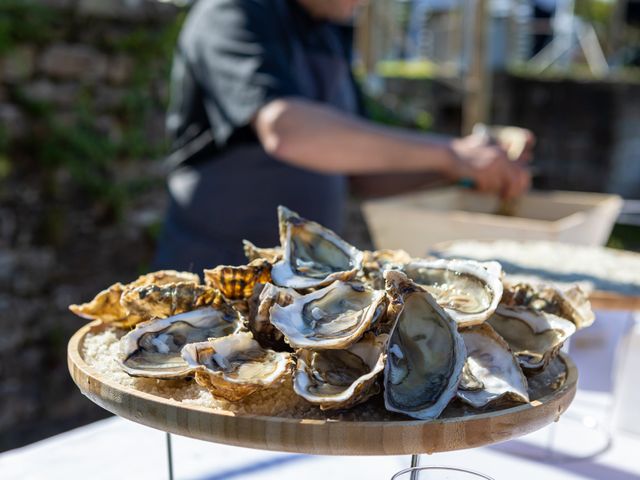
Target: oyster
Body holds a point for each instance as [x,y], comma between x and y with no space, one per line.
[314,256]
[491,372]
[153,348]
[335,316]
[271,255]
[468,290]
[336,379]
[571,304]
[236,283]
[259,321]
[375,262]
[160,301]
[534,337]
[426,353]
[235,366]
[106,305]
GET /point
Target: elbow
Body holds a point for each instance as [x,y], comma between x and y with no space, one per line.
[273,127]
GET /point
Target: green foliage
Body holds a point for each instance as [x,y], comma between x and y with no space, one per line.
[77,144]
[26,21]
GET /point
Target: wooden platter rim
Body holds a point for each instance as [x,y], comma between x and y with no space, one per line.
[83,375]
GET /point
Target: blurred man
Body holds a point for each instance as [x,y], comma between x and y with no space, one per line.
[265,111]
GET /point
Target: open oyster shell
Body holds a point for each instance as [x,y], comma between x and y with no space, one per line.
[334,379]
[535,337]
[335,316]
[375,263]
[571,304]
[237,283]
[314,256]
[468,290]
[106,305]
[259,320]
[235,366]
[426,353]
[153,348]
[492,373]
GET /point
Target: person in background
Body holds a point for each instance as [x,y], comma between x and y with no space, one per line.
[265,111]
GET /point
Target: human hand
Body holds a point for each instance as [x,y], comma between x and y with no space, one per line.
[489,165]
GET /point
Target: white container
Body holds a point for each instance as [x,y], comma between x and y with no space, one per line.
[415,221]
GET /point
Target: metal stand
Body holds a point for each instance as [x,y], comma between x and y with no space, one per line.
[415,470]
[415,463]
[169,456]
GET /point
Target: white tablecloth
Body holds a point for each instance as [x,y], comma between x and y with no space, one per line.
[120,449]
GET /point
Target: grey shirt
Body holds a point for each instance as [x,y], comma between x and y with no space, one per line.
[233,57]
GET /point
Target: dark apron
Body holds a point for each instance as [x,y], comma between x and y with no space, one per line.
[216,203]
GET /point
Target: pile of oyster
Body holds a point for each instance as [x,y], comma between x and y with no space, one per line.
[340,324]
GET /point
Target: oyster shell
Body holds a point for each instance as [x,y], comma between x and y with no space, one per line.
[571,304]
[236,283]
[259,321]
[492,373]
[153,348]
[335,316]
[161,301]
[235,366]
[426,353]
[534,337]
[334,379]
[468,290]
[106,305]
[314,256]
[376,262]
[271,255]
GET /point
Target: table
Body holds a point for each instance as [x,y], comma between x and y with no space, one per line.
[117,448]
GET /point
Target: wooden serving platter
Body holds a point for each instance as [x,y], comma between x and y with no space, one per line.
[326,437]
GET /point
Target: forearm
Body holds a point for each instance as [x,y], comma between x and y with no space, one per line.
[320,138]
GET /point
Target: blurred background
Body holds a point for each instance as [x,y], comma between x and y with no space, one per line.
[83,91]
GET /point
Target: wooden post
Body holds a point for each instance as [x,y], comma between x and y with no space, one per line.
[616,27]
[476,103]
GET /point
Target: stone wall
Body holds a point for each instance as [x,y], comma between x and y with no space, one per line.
[83,87]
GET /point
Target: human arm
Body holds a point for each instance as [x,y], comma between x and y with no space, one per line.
[320,138]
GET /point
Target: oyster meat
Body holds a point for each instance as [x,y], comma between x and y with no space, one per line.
[468,290]
[336,379]
[335,316]
[235,366]
[491,374]
[153,348]
[426,353]
[314,256]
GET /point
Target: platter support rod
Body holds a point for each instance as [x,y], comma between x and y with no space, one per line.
[169,456]
[415,462]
